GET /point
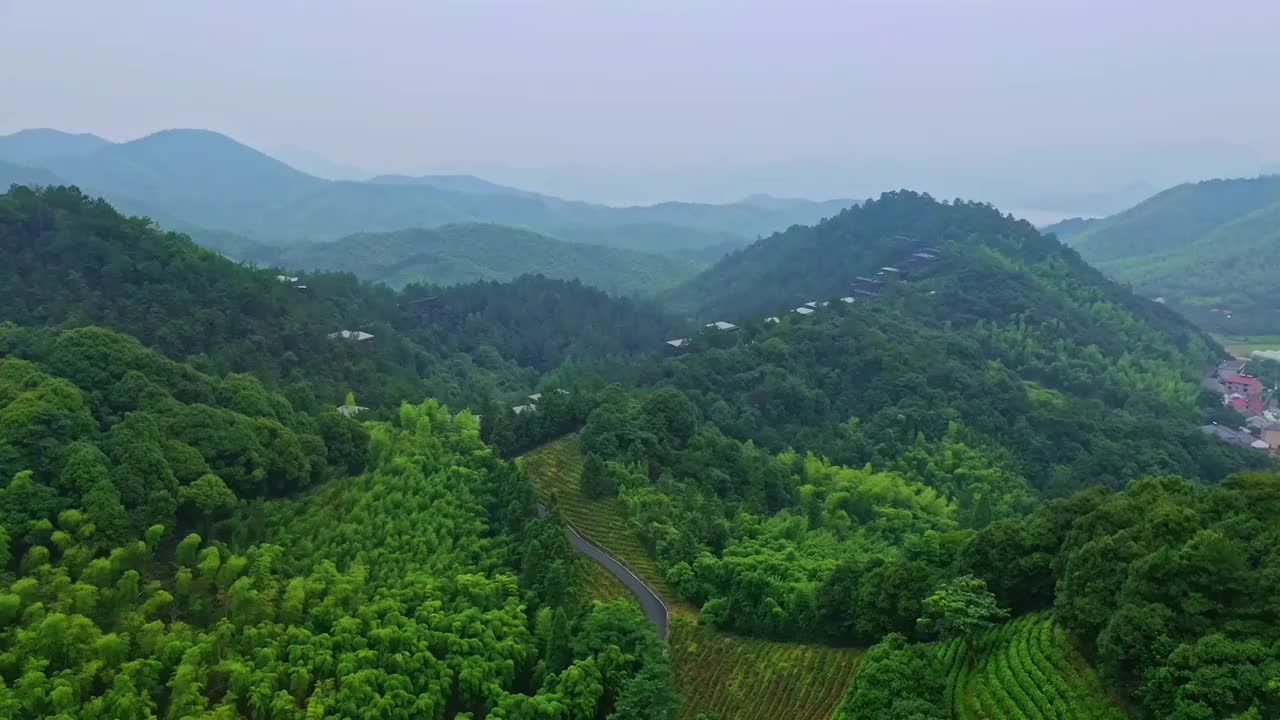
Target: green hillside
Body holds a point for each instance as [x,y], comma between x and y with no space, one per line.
[189,526]
[456,254]
[1209,249]
[180,545]
[69,259]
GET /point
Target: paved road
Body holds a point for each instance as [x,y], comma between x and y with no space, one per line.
[649,601]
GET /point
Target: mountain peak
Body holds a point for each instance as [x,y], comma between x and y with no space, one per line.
[34,145]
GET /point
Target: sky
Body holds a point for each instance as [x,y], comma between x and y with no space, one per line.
[1041,105]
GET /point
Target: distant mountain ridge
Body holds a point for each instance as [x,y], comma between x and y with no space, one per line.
[469,184]
[203,179]
[1210,249]
[35,145]
[470,252]
[15,174]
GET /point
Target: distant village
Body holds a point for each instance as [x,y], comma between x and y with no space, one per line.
[1258,406]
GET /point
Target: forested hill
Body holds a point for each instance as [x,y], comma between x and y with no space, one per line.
[178,545]
[1007,333]
[974,245]
[456,254]
[65,258]
[1202,246]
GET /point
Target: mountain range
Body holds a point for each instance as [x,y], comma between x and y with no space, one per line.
[1210,249]
[194,180]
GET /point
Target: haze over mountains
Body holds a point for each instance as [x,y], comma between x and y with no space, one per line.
[198,179]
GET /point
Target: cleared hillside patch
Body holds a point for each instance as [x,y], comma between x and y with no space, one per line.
[1025,669]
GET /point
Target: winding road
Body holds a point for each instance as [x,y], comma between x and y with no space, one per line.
[653,607]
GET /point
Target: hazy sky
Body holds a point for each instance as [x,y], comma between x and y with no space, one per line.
[637,100]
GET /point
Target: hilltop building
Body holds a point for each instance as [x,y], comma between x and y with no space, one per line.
[355,335]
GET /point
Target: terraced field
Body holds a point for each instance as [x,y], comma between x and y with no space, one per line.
[740,678]
[1025,669]
[557,469]
[594,582]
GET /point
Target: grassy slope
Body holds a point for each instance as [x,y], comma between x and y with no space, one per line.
[736,678]
[1025,668]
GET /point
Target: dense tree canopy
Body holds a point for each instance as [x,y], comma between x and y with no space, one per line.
[316,609]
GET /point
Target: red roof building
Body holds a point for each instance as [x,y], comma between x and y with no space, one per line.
[1246,385]
[1248,407]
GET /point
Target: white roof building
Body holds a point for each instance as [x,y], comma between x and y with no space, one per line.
[722,325]
[772,319]
[351,410]
[286,279]
[849,300]
[678,343]
[804,310]
[522,409]
[357,335]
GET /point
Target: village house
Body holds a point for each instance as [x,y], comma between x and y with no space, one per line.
[1271,435]
[677,345]
[1245,406]
[1245,385]
[722,326]
[1238,438]
[802,310]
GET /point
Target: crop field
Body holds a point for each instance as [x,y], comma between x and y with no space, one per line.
[740,678]
[556,468]
[1244,345]
[1025,669]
